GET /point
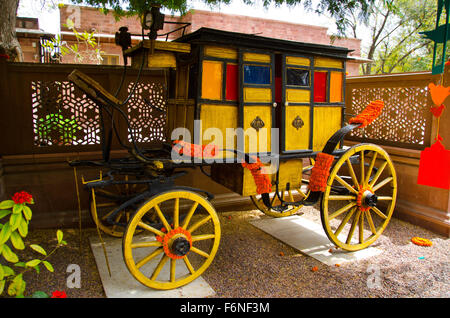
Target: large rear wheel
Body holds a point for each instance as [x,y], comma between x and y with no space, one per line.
[360,197]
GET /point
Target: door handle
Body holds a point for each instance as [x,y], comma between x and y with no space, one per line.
[275,105]
[286,104]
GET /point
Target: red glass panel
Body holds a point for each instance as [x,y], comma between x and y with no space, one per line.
[320,87]
[232,82]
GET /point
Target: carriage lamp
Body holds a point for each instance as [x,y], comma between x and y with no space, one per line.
[153,20]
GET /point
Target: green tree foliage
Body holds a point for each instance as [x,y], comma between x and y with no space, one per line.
[394,42]
[337,9]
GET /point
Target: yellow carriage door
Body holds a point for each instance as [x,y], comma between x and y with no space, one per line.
[257,100]
[294,94]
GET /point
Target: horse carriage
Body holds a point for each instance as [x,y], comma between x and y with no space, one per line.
[276,111]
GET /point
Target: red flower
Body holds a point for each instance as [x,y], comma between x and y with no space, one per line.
[59,294]
[22,197]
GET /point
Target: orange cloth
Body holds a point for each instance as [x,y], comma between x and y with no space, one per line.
[320,172]
[369,114]
[193,150]
[262,181]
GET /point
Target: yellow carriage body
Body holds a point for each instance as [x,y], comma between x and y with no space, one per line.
[231,80]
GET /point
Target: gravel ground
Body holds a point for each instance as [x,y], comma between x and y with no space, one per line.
[251,263]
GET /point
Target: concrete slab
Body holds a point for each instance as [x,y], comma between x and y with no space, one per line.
[309,238]
[121,284]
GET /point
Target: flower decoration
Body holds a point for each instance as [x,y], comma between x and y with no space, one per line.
[421,241]
[438,93]
[59,294]
[22,197]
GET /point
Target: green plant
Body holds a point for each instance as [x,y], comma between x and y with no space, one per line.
[12,233]
[55,129]
[91,51]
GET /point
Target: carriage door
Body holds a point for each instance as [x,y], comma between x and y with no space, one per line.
[294,92]
[257,99]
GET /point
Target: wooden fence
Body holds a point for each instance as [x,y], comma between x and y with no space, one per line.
[405,127]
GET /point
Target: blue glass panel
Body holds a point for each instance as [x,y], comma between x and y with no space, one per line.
[255,74]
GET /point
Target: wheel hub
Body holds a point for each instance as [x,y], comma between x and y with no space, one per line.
[366,199]
[180,246]
[176,243]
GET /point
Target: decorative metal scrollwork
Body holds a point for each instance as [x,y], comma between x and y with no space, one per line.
[298,122]
[257,123]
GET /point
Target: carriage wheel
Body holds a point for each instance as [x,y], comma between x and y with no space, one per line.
[177,249]
[287,196]
[360,194]
[105,200]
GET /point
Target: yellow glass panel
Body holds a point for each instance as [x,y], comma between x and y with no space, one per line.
[336,80]
[298,95]
[297,139]
[263,140]
[257,57]
[221,52]
[210,118]
[326,62]
[258,95]
[212,80]
[296,60]
[327,120]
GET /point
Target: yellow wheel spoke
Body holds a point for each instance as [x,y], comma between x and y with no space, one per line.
[146,259]
[377,211]
[162,218]
[146,244]
[188,265]
[173,265]
[362,168]
[176,213]
[199,223]
[151,229]
[352,173]
[106,215]
[384,198]
[106,204]
[344,221]
[203,237]
[378,174]
[160,266]
[342,197]
[346,185]
[382,183]
[188,217]
[342,210]
[370,221]
[361,228]
[199,252]
[352,228]
[372,163]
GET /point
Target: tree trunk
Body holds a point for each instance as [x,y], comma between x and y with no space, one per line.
[8,41]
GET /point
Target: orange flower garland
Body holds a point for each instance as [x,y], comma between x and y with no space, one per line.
[262,181]
[320,172]
[193,150]
[369,114]
[421,241]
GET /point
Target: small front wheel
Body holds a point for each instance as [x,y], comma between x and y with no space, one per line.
[177,248]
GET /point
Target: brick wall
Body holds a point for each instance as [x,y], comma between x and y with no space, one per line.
[92,19]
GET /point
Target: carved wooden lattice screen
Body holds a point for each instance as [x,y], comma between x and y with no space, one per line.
[147,112]
[406,119]
[63,115]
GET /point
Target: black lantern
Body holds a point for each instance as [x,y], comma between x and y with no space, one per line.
[153,20]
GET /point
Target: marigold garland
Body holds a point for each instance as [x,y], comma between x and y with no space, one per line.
[166,238]
[262,181]
[421,241]
[320,172]
[369,114]
[193,150]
